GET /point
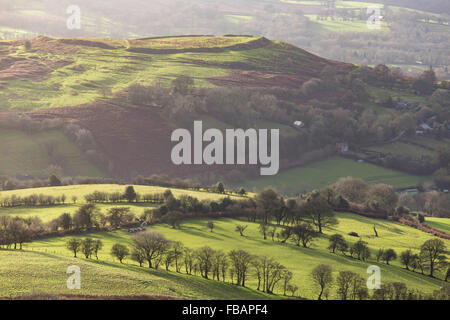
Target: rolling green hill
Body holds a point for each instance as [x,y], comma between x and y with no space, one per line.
[282,19]
[44,274]
[32,154]
[107,277]
[71,72]
[301,261]
[48,213]
[44,75]
[323,173]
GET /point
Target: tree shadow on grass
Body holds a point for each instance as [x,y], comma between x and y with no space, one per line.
[203,234]
[196,283]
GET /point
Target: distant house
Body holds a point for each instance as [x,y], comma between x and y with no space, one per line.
[342,147]
[425,127]
[299,124]
[402,104]
[411,192]
[23,177]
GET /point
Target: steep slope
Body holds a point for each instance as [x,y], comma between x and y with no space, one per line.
[240,82]
[43,273]
[47,72]
[74,80]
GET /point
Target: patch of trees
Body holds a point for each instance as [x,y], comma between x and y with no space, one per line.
[12,183]
[431,203]
[15,231]
[352,286]
[89,217]
[127,196]
[377,198]
[400,291]
[32,200]
[163,180]
[80,136]
[174,210]
[326,122]
[406,163]
[88,247]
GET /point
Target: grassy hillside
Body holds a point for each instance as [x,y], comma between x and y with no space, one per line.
[49,213]
[42,273]
[401,148]
[87,72]
[32,154]
[70,72]
[81,190]
[300,261]
[439,223]
[272,18]
[326,172]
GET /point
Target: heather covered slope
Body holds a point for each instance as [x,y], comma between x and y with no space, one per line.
[85,81]
[71,72]
[409,27]
[86,88]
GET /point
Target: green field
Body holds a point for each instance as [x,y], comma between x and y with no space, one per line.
[238,19]
[300,261]
[49,213]
[326,172]
[81,190]
[92,69]
[439,223]
[45,259]
[404,149]
[41,273]
[338,25]
[338,4]
[27,154]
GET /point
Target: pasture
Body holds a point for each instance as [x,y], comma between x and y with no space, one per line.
[402,148]
[301,261]
[49,213]
[439,223]
[32,154]
[323,173]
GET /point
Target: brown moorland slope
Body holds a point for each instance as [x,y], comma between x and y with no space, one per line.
[137,139]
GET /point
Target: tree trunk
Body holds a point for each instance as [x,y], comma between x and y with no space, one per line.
[320,294]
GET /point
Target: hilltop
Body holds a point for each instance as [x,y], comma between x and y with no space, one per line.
[332,29]
[72,72]
[116,102]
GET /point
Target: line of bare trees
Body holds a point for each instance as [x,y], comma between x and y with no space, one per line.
[236,265]
[352,286]
[15,231]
